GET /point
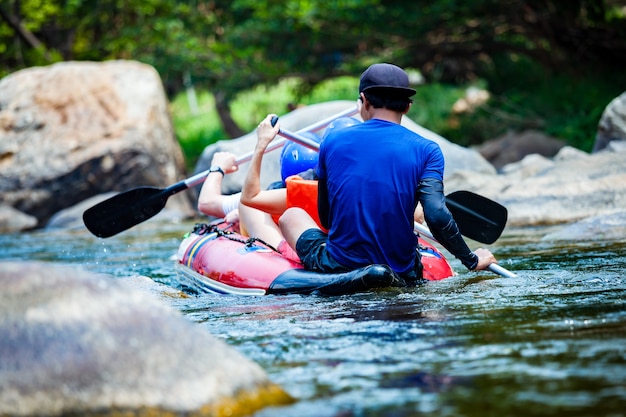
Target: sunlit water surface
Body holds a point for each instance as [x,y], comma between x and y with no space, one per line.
[550,342]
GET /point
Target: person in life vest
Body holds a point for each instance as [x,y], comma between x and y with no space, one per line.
[260,222]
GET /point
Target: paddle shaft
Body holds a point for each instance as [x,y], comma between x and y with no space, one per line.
[129,208]
[199,178]
[423,230]
[296,137]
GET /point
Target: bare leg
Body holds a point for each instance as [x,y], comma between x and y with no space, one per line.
[259,224]
[293,223]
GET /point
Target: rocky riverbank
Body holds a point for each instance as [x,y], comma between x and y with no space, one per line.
[77,131]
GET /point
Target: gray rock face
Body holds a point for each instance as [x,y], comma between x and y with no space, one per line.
[612,125]
[513,147]
[75,342]
[12,220]
[603,227]
[537,191]
[73,130]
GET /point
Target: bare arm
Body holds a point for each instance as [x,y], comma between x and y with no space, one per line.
[418,215]
[270,201]
[211,200]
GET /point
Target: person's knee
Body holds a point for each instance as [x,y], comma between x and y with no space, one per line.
[293,222]
[291,217]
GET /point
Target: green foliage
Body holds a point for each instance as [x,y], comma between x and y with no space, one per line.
[548,65]
[195,131]
[565,105]
[432,106]
[250,107]
[339,88]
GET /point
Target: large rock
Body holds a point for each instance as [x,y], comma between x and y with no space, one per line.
[76,343]
[12,220]
[512,147]
[609,227]
[612,125]
[572,186]
[73,130]
[457,157]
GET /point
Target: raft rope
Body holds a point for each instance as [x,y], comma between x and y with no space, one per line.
[214,227]
[203,229]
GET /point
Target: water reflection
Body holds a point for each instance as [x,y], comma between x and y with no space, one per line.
[551,341]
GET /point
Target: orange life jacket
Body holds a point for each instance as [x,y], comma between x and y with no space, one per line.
[303,193]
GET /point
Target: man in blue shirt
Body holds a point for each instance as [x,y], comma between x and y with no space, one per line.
[371,177]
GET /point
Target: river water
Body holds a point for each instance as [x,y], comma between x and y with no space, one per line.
[550,342]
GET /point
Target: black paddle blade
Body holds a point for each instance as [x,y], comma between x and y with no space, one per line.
[124,210]
[478,217]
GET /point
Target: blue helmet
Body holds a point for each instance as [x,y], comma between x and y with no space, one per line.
[340,123]
[296,158]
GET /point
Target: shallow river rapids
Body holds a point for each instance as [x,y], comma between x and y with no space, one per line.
[551,342]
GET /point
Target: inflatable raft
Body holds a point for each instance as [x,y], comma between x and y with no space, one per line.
[215,260]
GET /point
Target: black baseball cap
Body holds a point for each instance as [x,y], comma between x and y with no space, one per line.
[386,79]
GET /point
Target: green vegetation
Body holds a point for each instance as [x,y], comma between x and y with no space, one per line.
[195,132]
[552,65]
[248,108]
[563,106]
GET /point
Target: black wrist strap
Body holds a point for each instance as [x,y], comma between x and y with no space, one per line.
[216,169]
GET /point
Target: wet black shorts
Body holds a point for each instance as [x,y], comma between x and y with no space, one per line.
[311,248]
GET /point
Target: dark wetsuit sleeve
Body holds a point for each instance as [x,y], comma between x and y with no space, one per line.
[442,224]
[322,203]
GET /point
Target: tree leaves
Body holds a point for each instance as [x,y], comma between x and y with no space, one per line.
[231,46]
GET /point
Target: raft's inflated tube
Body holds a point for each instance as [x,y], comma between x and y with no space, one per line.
[301,281]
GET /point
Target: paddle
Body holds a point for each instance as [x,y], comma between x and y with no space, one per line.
[478,217]
[423,230]
[129,208]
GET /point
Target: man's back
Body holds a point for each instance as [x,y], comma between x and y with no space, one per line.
[368,189]
[372,171]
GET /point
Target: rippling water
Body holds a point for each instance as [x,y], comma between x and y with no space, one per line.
[550,342]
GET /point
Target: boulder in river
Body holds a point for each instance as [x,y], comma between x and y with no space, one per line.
[610,227]
[12,220]
[513,147]
[612,126]
[73,130]
[78,343]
